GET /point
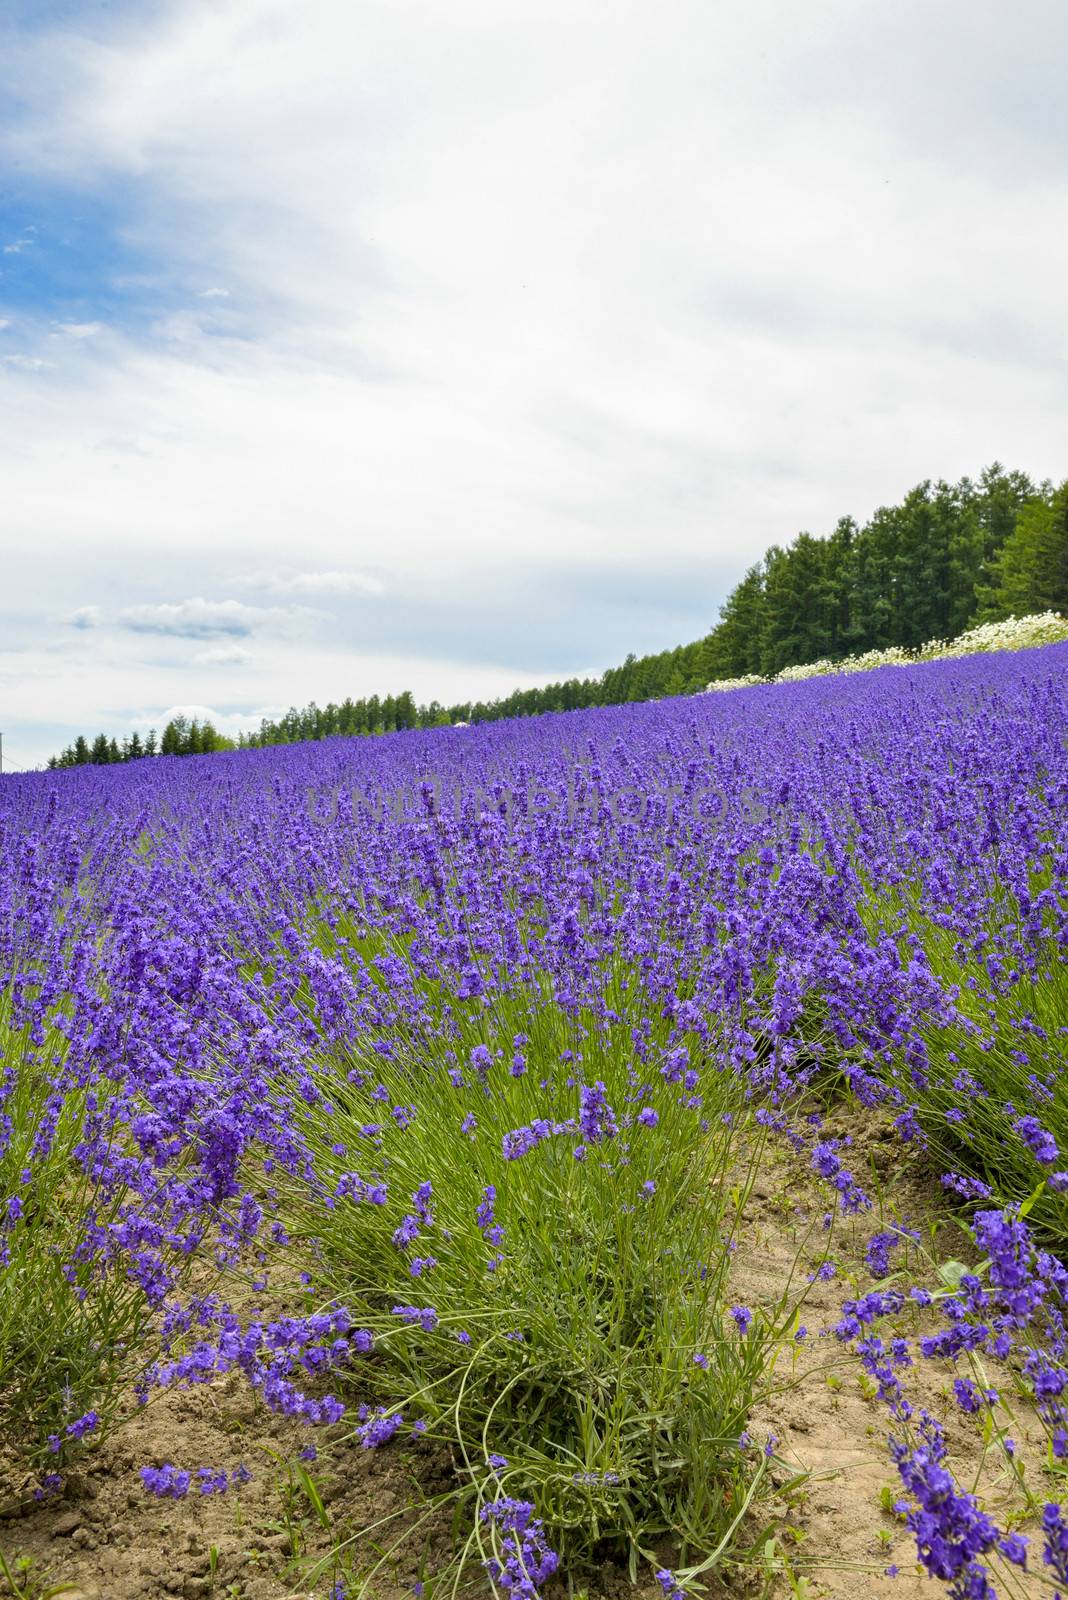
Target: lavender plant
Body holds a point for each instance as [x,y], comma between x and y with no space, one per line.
[480,1029]
[985,1091]
[72,1322]
[535,1236]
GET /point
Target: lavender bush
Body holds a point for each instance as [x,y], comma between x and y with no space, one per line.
[481,1028]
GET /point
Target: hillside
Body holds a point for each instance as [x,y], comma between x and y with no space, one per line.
[950,555]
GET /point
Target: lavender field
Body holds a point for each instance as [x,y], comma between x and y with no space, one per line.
[620,1148]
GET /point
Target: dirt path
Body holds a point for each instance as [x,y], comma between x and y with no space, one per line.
[829,1424]
[112,1541]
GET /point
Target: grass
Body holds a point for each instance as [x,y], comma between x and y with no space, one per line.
[530,1203]
[1000,1058]
[576,1306]
[72,1324]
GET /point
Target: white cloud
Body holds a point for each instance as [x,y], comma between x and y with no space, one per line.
[227,722]
[53,696]
[85,617]
[79,330]
[5,322]
[314,583]
[205,619]
[509,288]
[20,361]
[223,655]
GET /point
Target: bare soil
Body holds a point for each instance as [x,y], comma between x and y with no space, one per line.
[834,1529]
[110,1540]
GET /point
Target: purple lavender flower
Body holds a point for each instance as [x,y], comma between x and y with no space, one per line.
[525,1560]
[597,1120]
[1055,1541]
[378,1428]
[166,1482]
[425,1316]
[879,1247]
[951,1531]
[85,1424]
[1038,1139]
[486,1218]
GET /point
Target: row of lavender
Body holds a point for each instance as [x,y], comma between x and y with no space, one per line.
[447,1034]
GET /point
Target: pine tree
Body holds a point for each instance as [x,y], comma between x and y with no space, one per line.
[405,710]
[738,637]
[877,581]
[1031,572]
[916,567]
[958,520]
[839,581]
[795,623]
[999,499]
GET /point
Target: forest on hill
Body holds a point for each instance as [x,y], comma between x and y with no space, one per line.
[948,556]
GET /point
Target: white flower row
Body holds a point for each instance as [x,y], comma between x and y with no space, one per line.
[1014,633]
[748,682]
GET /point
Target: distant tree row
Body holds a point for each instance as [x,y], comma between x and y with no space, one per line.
[1030,572]
[181,737]
[951,554]
[948,556]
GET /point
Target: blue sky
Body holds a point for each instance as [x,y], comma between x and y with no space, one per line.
[347,346]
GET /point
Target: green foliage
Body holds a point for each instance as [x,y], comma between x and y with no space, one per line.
[1030,574]
[568,1344]
[181,737]
[910,575]
[25,1580]
[1003,1057]
[70,1323]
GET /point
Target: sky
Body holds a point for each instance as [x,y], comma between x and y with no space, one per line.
[458,345]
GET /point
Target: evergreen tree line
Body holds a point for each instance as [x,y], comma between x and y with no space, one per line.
[948,557]
[181,737]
